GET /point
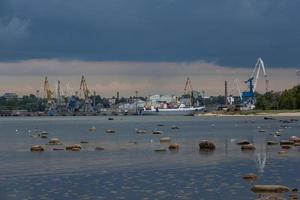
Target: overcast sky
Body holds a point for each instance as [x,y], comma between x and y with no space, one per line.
[150,45]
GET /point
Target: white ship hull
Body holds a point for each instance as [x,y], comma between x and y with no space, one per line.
[175,111]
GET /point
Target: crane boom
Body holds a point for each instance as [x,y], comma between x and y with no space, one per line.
[84,88]
[255,74]
[237,84]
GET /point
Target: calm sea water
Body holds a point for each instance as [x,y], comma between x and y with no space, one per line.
[128,167]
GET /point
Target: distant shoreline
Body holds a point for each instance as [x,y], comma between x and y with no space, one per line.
[270,113]
[251,113]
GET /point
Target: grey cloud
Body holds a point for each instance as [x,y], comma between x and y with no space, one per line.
[231,32]
[14,28]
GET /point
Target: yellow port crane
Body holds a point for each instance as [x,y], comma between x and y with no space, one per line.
[51,107]
[83,87]
[47,90]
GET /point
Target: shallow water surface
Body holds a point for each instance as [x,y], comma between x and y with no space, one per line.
[129,168]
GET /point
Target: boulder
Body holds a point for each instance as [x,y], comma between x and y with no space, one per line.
[295,139]
[268,118]
[156,132]
[272,142]
[139,131]
[270,188]
[37,148]
[243,142]
[160,149]
[174,127]
[286,142]
[207,145]
[44,133]
[250,177]
[58,149]
[286,146]
[173,146]
[110,131]
[165,140]
[44,136]
[92,129]
[282,152]
[74,147]
[294,190]
[248,147]
[54,141]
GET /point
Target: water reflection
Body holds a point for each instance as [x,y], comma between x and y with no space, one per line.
[261,159]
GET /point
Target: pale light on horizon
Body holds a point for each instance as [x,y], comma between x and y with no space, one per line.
[106,78]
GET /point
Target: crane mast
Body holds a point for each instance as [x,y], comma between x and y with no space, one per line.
[51,107]
[188,86]
[83,87]
[47,90]
[188,90]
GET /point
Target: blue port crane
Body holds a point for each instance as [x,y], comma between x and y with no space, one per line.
[248,97]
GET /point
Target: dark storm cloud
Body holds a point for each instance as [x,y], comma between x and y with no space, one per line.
[229,32]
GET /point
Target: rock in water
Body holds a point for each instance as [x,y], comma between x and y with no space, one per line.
[270,188]
[74,147]
[139,131]
[207,145]
[99,148]
[286,142]
[174,127]
[110,131]
[243,142]
[165,140]
[250,177]
[174,146]
[157,132]
[92,129]
[54,141]
[272,143]
[282,152]
[295,139]
[160,149]
[37,148]
[286,146]
[248,147]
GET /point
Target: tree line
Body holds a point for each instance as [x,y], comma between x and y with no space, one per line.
[288,99]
